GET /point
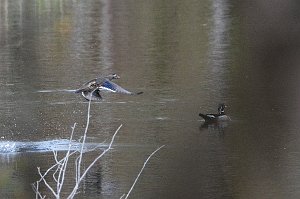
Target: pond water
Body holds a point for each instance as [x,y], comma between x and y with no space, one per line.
[187,57]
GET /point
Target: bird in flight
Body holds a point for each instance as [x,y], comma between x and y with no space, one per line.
[92,89]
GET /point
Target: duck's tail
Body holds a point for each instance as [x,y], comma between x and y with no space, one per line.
[138,93]
[206,118]
[135,93]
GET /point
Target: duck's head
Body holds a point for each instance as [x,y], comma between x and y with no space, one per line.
[221,108]
[113,76]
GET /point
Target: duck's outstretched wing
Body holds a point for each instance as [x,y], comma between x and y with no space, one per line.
[88,86]
[112,87]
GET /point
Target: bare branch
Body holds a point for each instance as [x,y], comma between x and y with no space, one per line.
[84,138]
[58,165]
[59,169]
[61,176]
[145,163]
[80,178]
[48,186]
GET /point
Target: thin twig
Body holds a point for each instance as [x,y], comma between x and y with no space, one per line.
[84,136]
[56,165]
[36,190]
[64,167]
[60,166]
[145,163]
[80,178]
[48,186]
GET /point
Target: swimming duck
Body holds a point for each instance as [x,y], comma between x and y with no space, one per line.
[91,89]
[220,116]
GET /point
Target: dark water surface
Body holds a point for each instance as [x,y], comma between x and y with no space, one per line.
[187,56]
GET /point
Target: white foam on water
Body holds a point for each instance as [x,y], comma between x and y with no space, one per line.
[45,146]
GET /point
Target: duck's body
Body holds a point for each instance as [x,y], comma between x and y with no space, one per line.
[220,116]
[91,89]
[92,95]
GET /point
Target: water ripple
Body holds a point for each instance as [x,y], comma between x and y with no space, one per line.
[45,146]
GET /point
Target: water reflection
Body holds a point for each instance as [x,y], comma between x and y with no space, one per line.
[220,40]
[106,35]
[218,127]
[220,36]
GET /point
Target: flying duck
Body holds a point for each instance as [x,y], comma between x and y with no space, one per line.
[91,89]
[220,116]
